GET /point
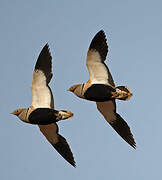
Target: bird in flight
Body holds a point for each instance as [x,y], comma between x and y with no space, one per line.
[42,111]
[101,87]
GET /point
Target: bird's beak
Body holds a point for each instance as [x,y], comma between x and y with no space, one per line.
[65,114]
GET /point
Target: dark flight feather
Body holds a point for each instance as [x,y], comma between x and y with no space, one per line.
[122,128]
[99,44]
[44,63]
[63,149]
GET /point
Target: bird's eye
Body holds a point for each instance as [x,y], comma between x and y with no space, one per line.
[17,111]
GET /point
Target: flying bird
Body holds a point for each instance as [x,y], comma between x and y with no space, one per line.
[101,87]
[42,112]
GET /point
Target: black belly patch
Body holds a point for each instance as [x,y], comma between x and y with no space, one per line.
[43,116]
[99,93]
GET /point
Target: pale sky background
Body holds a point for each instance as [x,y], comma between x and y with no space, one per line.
[134,36]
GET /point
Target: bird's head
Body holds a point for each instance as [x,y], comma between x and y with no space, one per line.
[62,115]
[77,90]
[17,112]
[21,114]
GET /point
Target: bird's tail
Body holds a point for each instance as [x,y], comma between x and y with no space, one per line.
[123,93]
[63,114]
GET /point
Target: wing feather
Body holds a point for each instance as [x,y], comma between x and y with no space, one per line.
[98,71]
[41,93]
[58,142]
[44,63]
[108,110]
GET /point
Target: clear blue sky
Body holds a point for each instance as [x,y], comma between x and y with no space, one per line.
[134,33]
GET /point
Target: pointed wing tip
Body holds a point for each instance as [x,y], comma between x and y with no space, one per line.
[66,153]
[47,44]
[44,62]
[100,37]
[129,138]
[99,44]
[102,32]
[122,128]
[44,56]
[134,146]
[73,164]
[133,143]
[64,150]
[47,48]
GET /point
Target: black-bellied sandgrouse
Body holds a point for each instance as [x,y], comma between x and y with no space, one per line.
[101,87]
[41,111]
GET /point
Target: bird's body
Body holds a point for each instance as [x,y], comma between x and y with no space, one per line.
[101,88]
[42,112]
[99,92]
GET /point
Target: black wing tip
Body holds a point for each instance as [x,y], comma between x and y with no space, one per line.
[98,39]
[73,164]
[44,62]
[46,45]
[68,158]
[99,43]
[47,48]
[64,150]
[131,141]
[102,33]
[134,146]
[45,55]
[122,128]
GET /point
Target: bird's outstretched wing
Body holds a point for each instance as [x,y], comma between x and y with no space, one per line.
[41,92]
[98,71]
[58,142]
[108,110]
